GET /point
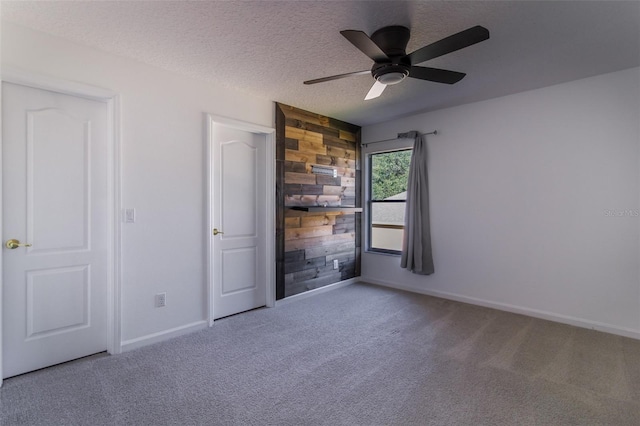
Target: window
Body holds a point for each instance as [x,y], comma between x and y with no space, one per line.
[388,174]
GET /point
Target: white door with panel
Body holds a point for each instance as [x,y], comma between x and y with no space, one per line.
[238,215]
[55,213]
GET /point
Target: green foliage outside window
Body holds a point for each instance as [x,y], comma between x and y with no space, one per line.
[389,173]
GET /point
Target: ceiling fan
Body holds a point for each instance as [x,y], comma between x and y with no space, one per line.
[391,64]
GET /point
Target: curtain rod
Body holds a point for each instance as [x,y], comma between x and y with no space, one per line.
[435,132]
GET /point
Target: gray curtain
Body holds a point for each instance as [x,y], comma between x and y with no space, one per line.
[416,246]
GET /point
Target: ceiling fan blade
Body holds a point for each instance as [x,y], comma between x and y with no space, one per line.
[450,44]
[375,91]
[362,41]
[435,74]
[337,77]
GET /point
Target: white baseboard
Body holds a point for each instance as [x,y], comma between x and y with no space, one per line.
[149,339]
[316,291]
[578,322]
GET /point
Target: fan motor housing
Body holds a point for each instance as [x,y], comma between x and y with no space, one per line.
[392,40]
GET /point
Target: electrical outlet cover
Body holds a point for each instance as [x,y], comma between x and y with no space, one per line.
[161,300]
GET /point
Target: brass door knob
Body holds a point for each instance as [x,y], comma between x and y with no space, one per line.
[14,244]
[216,232]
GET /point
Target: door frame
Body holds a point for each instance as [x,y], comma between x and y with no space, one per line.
[112,101]
[270,189]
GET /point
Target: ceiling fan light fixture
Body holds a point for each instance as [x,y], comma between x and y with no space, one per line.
[389,74]
[393,77]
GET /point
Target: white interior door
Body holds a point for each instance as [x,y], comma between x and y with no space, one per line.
[239,252]
[54,186]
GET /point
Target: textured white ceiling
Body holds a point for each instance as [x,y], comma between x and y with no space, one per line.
[268,48]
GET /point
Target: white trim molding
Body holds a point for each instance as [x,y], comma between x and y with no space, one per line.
[39,81]
[536,313]
[270,207]
[317,291]
[112,101]
[161,336]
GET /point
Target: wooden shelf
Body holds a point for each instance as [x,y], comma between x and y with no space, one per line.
[320,209]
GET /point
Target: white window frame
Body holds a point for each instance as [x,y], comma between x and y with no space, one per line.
[367,151]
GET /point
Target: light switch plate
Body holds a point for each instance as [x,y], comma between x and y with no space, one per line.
[130,215]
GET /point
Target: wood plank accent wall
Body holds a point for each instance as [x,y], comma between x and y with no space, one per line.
[307,243]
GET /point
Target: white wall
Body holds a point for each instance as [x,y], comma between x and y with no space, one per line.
[523,189]
[162,170]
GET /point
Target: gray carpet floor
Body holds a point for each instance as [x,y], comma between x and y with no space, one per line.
[359,355]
